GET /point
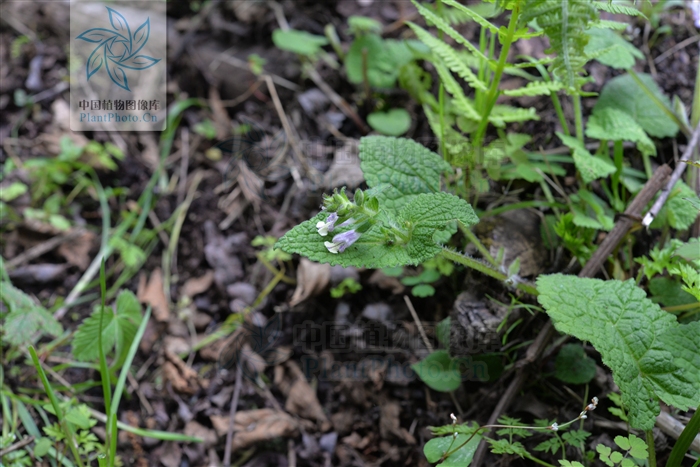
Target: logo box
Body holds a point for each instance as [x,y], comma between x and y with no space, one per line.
[118,66]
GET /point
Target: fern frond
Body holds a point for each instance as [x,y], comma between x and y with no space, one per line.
[502,114]
[537,88]
[447,29]
[461,101]
[450,57]
[565,23]
[417,82]
[618,9]
[480,20]
[615,25]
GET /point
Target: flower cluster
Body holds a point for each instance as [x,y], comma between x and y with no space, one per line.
[347,213]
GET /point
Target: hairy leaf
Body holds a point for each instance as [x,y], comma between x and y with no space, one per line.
[408,168]
[627,329]
[421,218]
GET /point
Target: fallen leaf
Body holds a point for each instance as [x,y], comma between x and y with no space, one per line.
[254,426]
[153,294]
[390,425]
[76,250]
[312,278]
[207,435]
[183,378]
[38,273]
[385,282]
[197,285]
[301,398]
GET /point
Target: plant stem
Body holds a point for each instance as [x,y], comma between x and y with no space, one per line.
[441,97]
[479,246]
[534,459]
[474,264]
[652,449]
[578,116]
[493,89]
[684,441]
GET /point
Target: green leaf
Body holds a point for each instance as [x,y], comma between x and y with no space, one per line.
[425,215]
[535,88]
[299,42]
[118,329]
[363,24]
[450,56]
[504,446]
[442,331]
[25,317]
[679,212]
[626,328]
[393,122]
[623,93]
[683,342]
[435,448]
[616,125]
[619,8]
[472,14]
[460,101]
[668,292]
[589,166]
[573,366]
[14,190]
[551,445]
[439,371]
[616,51]
[408,167]
[423,290]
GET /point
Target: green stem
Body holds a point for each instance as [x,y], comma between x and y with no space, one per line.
[684,441]
[441,97]
[493,89]
[578,115]
[652,449]
[538,461]
[483,268]
[479,246]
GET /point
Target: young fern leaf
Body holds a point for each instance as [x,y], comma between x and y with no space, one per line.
[450,56]
[618,9]
[443,26]
[480,20]
[537,88]
[565,23]
[461,101]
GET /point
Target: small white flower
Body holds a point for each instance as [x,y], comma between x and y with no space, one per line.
[328,226]
[454,419]
[332,247]
[554,427]
[584,417]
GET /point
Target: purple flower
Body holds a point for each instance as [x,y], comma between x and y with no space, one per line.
[342,241]
[328,226]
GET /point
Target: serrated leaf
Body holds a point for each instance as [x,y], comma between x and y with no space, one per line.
[25,317]
[118,329]
[618,8]
[573,366]
[589,166]
[616,51]
[626,328]
[616,125]
[680,213]
[683,342]
[443,26]
[450,56]
[551,445]
[439,371]
[623,93]
[480,20]
[425,215]
[408,167]
[459,99]
[435,448]
[502,114]
[536,88]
